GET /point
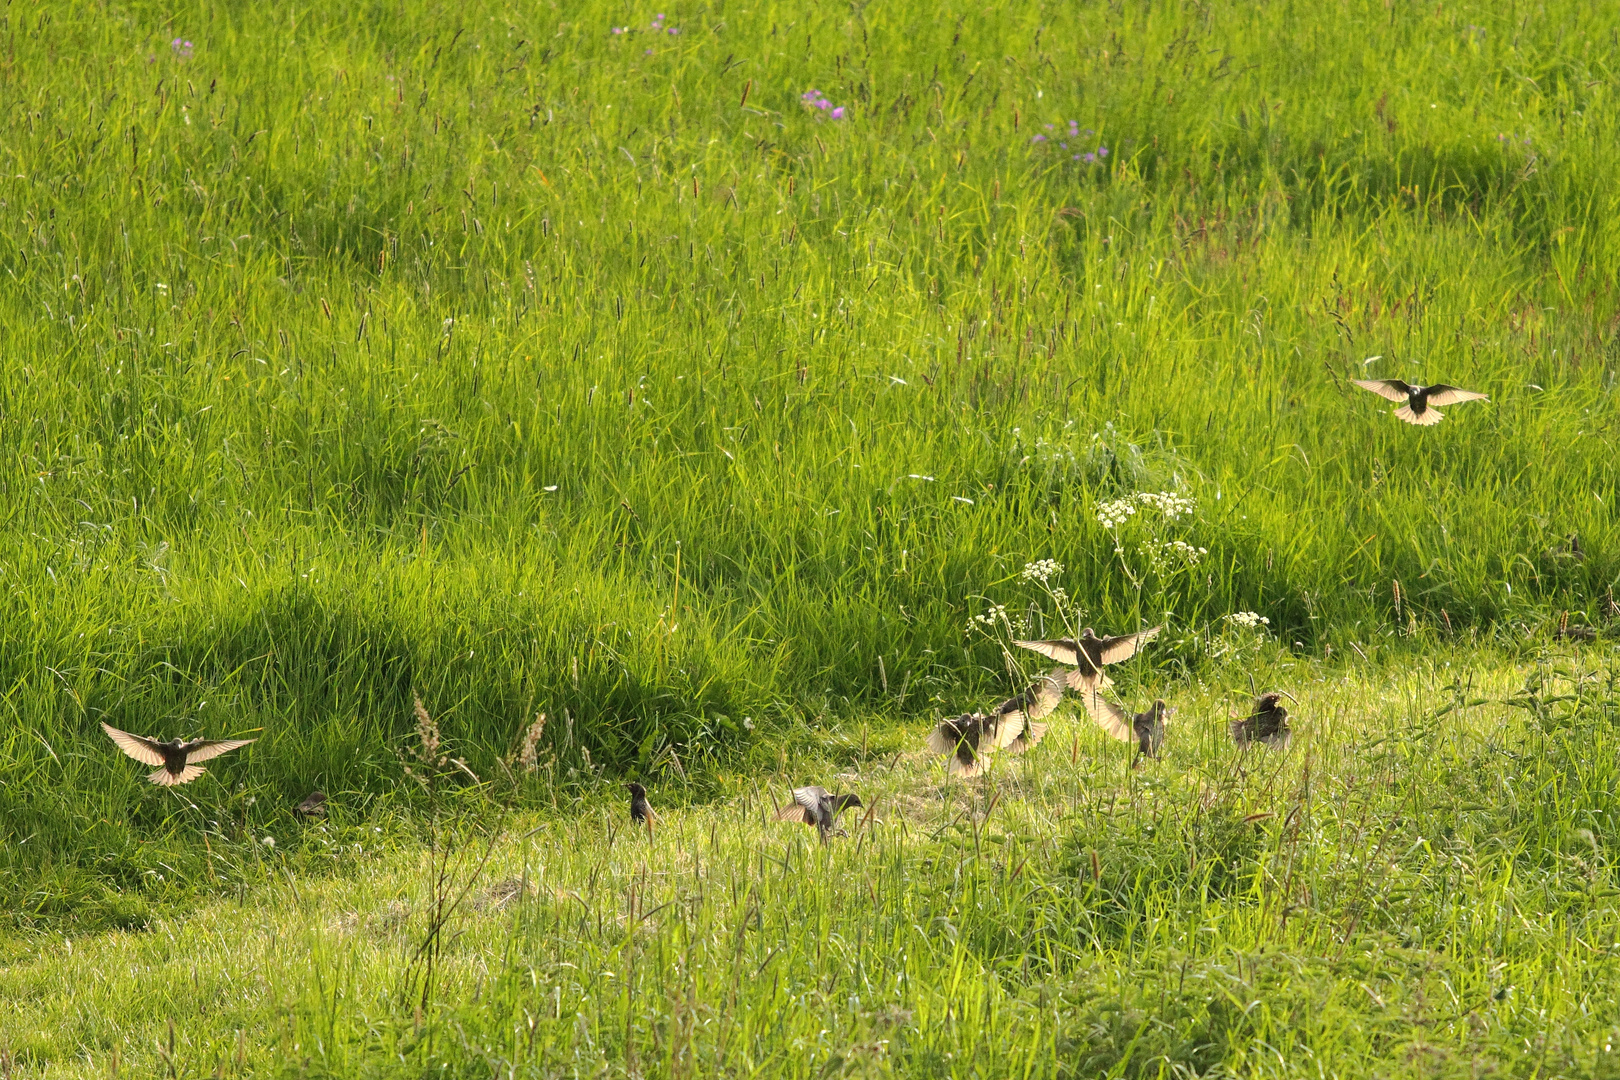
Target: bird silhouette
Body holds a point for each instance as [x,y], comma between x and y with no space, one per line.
[314,805]
[176,760]
[1266,723]
[1418,402]
[972,737]
[641,811]
[1087,657]
[1146,729]
[813,806]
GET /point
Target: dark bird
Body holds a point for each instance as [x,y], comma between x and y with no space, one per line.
[1266,723]
[1418,402]
[176,760]
[1146,729]
[641,811]
[1088,657]
[972,737]
[813,806]
[1572,551]
[1568,631]
[314,805]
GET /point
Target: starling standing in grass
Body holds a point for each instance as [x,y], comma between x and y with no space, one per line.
[641,811]
[176,760]
[1146,729]
[1267,722]
[1088,657]
[1010,726]
[1418,402]
[813,806]
[314,805]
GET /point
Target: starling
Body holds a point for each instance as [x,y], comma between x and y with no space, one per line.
[641,812]
[1088,657]
[1146,729]
[1266,723]
[1418,402]
[813,806]
[314,805]
[1011,726]
[175,758]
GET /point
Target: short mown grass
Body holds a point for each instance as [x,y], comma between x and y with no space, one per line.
[482,352]
[1422,885]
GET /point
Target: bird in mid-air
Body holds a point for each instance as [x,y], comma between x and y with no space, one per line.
[1418,402]
[1010,726]
[1266,723]
[1088,657]
[813,806]
[176,760]
[641,811]
[1146,729]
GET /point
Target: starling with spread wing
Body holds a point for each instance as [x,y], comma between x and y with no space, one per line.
[1088,657]
[1267,723]
[1146,729]
[176,760]
[813,806]
[1418,403]
[1010,726]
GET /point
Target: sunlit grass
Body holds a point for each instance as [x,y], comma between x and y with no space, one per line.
[479,352]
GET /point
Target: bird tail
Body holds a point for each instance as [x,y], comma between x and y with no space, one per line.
[958,767]
[165,778]
[1427,418]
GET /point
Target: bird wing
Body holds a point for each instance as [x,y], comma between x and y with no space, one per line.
[1032,735]
[206,749]
[1110,717]
[1039,697]
[1388,389]
[811,798]
[1123,647]
[1441,394]
[951,733]
[1063,650]
[1005,729]
[142,749]
[794,812]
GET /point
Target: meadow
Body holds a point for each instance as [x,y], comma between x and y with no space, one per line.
[578,360]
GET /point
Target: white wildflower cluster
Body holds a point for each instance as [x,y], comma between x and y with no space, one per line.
[996,614]
[1172,506]
[1174,555]
[1042,570]
[1249,620]
[1111,515]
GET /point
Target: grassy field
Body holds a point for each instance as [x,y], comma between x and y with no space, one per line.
[575,360]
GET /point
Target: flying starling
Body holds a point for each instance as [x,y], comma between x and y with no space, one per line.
[1146,729]
[972,737]
[314,805]
[1088,657]
[813,806]
[1418,402]
[176,759]
[641,811]
[1267,723]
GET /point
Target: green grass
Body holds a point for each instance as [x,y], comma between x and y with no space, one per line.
[1422,886]
[476,351]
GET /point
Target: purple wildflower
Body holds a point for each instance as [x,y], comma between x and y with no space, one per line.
[181,47]
[621,29]
[1102,151]
[1088,157]
[838,113]
[674,30]
[1038,138]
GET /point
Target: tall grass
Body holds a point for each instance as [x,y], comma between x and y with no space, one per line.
[481,351]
